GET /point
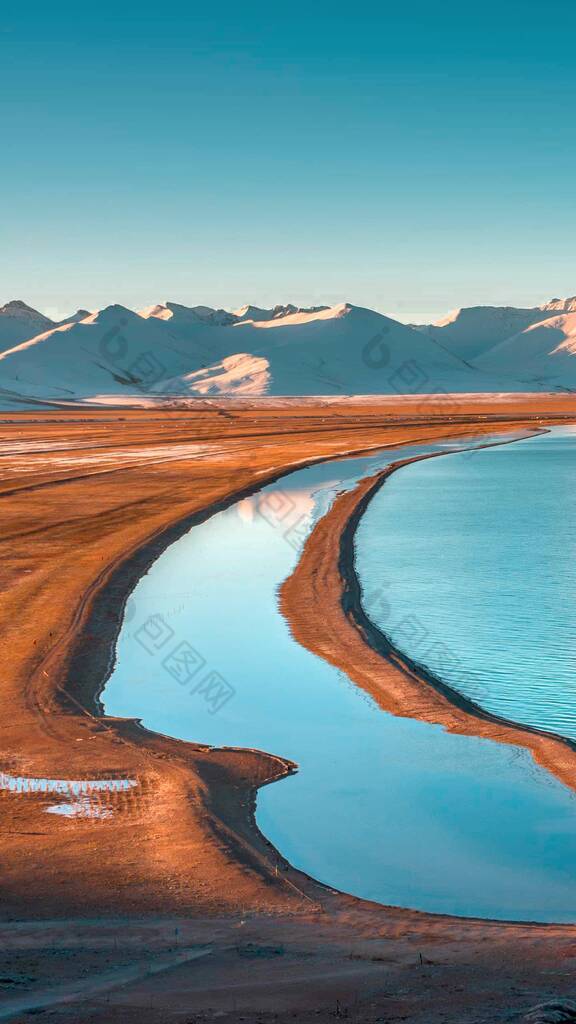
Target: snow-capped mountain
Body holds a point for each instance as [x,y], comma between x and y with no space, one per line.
[256,314]
[560,305]
[182,316]
[18,322]
[347,349]
[473,331]
[172,350]
[74,318]
[543,355]
[112,350]
[175,350]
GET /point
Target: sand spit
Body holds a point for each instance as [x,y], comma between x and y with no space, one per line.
[325,579]
[182,842]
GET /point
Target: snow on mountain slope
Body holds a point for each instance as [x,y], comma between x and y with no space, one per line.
[350,350]
[291,315]
[470,332]
[284,350]
[181,317]
[255,314]
[18,322]
[340,350]
[331,350]
[74,318]
[113,350]
[240,374]
[544,354]
[561,305]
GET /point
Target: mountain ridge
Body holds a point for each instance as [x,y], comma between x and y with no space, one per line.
[177,350]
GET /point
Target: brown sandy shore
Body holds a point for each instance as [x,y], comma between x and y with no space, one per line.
[88,501]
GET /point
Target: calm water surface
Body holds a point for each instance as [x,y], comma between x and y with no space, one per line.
[468,563]
[386,808]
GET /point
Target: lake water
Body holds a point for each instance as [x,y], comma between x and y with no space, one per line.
[468,563]
[388,809]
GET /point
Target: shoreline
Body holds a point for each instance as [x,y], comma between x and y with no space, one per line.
[399,684]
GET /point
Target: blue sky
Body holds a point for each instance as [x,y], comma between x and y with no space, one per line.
[406,157]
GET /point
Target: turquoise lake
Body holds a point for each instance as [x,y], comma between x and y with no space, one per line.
[468,564]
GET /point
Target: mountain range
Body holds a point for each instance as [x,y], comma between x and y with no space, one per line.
[174,350]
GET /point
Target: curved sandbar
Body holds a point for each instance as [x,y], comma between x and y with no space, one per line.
[322,603]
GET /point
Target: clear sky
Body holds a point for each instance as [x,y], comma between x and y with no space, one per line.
[411,157]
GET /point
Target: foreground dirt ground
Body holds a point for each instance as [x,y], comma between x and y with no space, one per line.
[351,961]
[88,500]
